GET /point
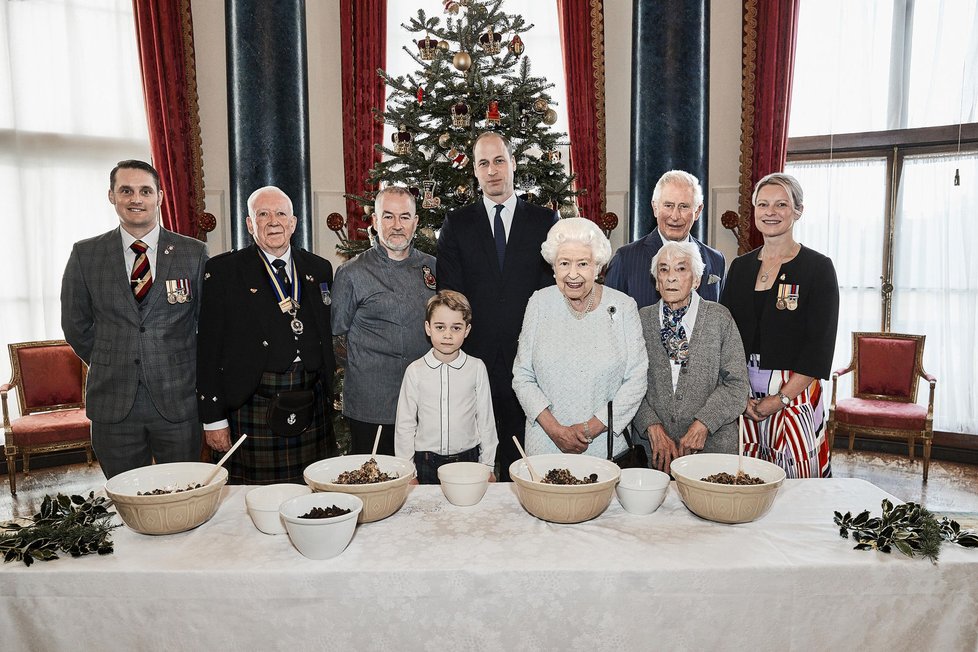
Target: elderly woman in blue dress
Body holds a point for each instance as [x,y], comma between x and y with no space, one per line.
[697,374]
[580,347]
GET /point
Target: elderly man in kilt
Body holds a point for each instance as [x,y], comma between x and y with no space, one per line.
[265,357]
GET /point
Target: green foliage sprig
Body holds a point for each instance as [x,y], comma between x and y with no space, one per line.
[75,525]
[908,527]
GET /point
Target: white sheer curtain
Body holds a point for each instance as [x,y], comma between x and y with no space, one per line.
[71,106]
[936,280]
[844,219]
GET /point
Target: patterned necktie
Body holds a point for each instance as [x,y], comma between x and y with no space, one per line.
[674,335]
[141,278]
[283,277]
[500,233]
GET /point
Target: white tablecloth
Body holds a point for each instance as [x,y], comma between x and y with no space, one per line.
[439,577]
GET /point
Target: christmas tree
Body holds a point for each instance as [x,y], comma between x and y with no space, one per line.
[473,76]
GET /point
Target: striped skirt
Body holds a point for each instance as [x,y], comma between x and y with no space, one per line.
[266,458]
[793,438]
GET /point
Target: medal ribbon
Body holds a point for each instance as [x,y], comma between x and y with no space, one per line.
[277,286]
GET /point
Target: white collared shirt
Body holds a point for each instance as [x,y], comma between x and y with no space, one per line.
[509,210]
[689,320]
[287,257]
[151,240]
[664,239]
[445,408]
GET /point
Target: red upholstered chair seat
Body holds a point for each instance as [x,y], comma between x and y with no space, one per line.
[881,414]
[51,427]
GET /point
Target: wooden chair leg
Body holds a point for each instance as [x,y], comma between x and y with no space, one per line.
[27,463]
[88,454]
[12,472]
[910,446]
[830,433]
[927,443]
[852,438]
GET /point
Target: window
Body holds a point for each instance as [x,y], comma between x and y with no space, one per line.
[71,106]
[883,140]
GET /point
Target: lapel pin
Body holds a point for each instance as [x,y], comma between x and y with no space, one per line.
[253,290]
[207,276]
[310,278]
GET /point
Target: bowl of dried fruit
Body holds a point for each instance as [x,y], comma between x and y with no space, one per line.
[321,525]
[574,488]
[381,481]
[711,488]
[166,498]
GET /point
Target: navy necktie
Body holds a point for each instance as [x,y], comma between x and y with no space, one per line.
[500,232]
[283,276]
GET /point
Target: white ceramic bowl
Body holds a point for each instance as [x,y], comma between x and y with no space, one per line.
[464,483]
[263,504]
[641,491]
[380,499]
[320,538]
[725,503]
[166,513]
[565,503]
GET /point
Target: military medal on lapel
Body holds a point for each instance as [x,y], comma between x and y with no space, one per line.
[178,290]
[787,296]
[324,290]
[429,278]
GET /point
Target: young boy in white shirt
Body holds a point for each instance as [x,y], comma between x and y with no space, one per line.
[444,411]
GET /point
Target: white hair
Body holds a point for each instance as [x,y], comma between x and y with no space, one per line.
[673,249]
[580,230]
[680,178]
[254,197]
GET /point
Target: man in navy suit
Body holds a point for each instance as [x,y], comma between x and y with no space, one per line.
[677,202]
[490,252]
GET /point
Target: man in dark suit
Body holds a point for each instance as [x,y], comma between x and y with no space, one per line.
[677,201]
[264,331]
[490,252]
[129,305]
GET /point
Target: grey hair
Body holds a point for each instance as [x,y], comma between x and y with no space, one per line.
[673,249]
[580,230]
[396,191]
[790,185]
[254,197]
[680,178]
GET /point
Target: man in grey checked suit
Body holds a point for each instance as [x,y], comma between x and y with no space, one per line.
[137,328]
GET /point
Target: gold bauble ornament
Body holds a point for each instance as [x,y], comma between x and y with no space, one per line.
[550,117]
[443,46]
[445,141]
[540,105]
[462,61]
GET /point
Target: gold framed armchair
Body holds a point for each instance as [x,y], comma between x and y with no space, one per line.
[50,383]
[887,368]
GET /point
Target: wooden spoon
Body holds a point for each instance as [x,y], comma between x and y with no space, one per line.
[224,459]
[533,474]
[373,453]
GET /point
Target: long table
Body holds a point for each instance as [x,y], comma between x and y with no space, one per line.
[439,577]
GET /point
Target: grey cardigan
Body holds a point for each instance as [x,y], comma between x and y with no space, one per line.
[713,387]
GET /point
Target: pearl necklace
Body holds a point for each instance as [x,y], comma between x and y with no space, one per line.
[580,314]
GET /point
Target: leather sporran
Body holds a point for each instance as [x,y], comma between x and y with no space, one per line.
[290,413]
[634,457]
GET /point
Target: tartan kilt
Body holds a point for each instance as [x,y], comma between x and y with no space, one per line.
[266,458]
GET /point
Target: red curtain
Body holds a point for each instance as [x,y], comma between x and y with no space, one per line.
[582,41]
[363,44]
[770,36]
[164,33]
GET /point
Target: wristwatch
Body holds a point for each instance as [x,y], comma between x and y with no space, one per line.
[785,401]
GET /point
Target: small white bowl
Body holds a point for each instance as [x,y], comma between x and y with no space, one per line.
[320,538]
[641,491]
[264,502]
[464,483]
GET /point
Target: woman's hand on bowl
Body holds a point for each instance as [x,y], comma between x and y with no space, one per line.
[664,449]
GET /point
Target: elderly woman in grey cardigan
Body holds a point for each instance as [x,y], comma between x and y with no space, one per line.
[697,375]
[580,347]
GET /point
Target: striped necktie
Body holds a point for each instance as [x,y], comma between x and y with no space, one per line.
[141,278]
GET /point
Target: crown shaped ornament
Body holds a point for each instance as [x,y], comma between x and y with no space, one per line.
[491,42]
